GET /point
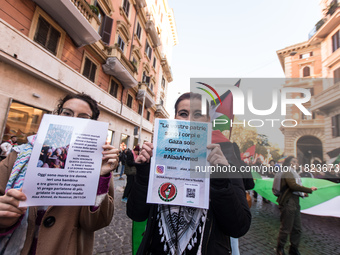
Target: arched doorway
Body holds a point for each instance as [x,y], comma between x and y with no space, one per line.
[309,150]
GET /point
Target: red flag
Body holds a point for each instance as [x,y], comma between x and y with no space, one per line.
[223,111]
[249,152]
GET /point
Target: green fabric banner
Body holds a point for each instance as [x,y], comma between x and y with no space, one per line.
[326,191]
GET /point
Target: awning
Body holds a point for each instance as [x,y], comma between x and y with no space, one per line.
[151,29]
[141,3]
[67,15]
[115,68]
[148,98]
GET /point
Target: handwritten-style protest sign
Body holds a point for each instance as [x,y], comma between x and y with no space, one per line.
[177,145]
[64,167]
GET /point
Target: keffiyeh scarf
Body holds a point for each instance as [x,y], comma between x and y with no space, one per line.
[178,226]
[13,242]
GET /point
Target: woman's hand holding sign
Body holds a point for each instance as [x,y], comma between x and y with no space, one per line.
[216,156]
[145,154]
[9,210]
[110,159]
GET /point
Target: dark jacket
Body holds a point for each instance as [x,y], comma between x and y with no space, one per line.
[130,168]
[288,186]
[228,213]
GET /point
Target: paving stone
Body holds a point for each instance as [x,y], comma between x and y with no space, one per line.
[319,234]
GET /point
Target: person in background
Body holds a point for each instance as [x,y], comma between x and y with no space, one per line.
[130,171]
[259,169]
[305,174]
[271,172]
[55,229]
[289,205]
[7,146]
[122,158]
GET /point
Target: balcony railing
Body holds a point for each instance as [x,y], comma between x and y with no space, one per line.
[144,91]
[166,68]
[75,17]
[141,3]
[151,29]
[114,67]
[316,28]
[324,26]
[161,112]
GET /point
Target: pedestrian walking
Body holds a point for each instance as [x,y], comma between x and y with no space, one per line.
[122,159]
[289,205]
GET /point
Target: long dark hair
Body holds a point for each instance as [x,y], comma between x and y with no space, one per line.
[86,98]
[287,161]
[190,95]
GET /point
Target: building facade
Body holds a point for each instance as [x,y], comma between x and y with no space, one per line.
[302,66]
[315,65]
[119,52]
[327,102]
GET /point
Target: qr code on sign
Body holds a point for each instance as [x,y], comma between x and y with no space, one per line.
[191,193]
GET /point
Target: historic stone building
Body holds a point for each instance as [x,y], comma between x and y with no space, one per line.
[119,52]
[302,64]
[316,66]
[327,102]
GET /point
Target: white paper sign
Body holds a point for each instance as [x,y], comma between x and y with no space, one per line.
[64,167]
[178,147]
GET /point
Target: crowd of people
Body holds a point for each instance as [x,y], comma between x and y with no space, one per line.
[7,146]
[52,157]
[171,229]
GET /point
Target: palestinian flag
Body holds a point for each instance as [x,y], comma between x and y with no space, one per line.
[250,152]
[223,111]
[325,201]
[334,156]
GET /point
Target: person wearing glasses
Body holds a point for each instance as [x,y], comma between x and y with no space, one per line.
[54,229]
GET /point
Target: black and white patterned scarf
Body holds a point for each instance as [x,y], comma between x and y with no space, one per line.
[178,226]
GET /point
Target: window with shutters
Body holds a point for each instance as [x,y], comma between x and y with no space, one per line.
[89,68]
[106,29]
[113,88]
[148,115]
[336,41]
[126,7]
[336,125]
[140,108]
[306,71]
[154,62]
[47,36]
[47,33]
[121,43]
[163,82]
[336,75]
[148,49]
[129,101]
[139,31]
[145,79]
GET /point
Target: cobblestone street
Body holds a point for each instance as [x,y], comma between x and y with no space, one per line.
[116,238]
[320,234]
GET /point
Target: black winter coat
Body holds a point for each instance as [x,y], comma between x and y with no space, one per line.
[228,213]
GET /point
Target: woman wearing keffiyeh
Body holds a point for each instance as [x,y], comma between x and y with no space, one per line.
[53,229]
[187,230]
